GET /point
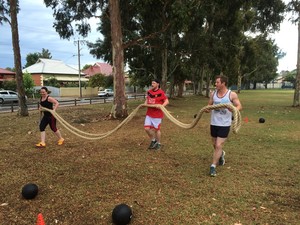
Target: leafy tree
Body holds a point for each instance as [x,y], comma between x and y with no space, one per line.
[260,60]
[162,38]
[224,32]
[10,85]
[28,84]
[203,37]
[109,81]
[52,81]
[152,40]
[98,80]
[86,66]
[291,77]
[10,69]
[8,13]
[32,58]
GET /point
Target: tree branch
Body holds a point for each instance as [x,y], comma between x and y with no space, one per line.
[136,41]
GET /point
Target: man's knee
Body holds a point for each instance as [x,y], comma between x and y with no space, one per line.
[147,129]
[218,145]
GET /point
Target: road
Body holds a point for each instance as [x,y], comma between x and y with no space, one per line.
[63,102]
[13,107]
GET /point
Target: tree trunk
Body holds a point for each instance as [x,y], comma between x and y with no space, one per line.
[171,88]
[194,80]
[297,83]
[180,89]
[164,60]
[239,86]
[207,91]
[239,83]
[247,85]
[23,109]
[119,109]
[200,86]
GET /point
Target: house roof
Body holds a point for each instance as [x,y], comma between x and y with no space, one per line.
[6,72]
[50,66]
[98,67]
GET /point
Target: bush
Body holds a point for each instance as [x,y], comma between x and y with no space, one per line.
[10,85]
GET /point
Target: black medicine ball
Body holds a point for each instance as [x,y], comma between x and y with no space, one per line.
[29,191]
[261,120]
[121,214]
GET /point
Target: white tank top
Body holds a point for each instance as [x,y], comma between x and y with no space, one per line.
[221,117]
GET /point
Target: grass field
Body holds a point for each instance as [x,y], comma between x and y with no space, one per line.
[82,181]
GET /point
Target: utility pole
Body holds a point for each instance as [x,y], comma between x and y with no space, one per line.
[79,72]
[79,42]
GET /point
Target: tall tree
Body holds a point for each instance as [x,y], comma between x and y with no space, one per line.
[120,104]
[8,11]
[151,40]
[259,60]
[294,7]
[67,13]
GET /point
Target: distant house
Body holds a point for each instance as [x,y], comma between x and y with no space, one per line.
[45,69]
[97,68]
[101,68]
[6,75]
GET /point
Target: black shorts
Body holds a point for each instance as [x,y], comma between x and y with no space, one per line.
[217,131]
[48,120]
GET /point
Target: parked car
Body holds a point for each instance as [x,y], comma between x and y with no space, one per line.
[8,96]
[106,93]
[287,86]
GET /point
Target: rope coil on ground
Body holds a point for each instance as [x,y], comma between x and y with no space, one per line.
[236,123]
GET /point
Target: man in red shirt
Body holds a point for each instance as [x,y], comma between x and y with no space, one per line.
[154,115]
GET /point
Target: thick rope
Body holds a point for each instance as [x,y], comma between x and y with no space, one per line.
[236,123]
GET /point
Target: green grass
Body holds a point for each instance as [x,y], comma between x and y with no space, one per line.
[82,181]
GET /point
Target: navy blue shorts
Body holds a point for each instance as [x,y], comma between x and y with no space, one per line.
[217,131]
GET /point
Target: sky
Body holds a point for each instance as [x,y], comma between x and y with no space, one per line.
[36,32]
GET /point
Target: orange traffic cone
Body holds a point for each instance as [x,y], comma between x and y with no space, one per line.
[246,120]
[40,220]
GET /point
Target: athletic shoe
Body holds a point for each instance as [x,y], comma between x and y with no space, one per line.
[40,145]
[222,159]
[152,144]
[212,171]
[61,141]
[157,146]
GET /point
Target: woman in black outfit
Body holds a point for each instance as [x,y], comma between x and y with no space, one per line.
[48,119]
